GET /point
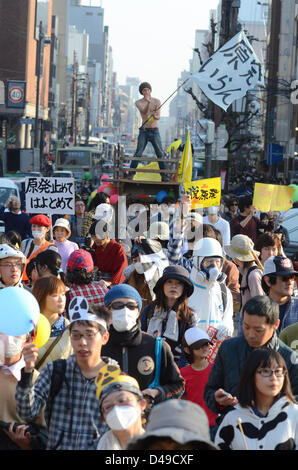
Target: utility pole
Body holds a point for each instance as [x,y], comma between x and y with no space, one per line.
[74,99]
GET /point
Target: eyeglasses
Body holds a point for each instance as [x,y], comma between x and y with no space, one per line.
[120,305]
[234,204]
[12,265]
[88,336]
[268,372]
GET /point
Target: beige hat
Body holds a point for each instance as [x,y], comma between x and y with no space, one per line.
[181,420]
[242,248]
[158,230]
[63,223]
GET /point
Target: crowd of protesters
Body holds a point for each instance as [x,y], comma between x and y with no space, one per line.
[161,341]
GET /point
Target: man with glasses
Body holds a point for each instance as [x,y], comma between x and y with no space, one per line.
[136,351]
[12,262]
[73,413]
[260,325]
[278,282]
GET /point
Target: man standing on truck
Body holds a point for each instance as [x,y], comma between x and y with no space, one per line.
[150,113]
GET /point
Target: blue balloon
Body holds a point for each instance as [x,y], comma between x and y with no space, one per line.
[19,311]
[160,195]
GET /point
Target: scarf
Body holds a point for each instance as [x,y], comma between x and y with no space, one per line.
[132,337]
[164,320]
[154,265]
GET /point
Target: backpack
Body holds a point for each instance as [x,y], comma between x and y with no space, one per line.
[57,379]
[243,289]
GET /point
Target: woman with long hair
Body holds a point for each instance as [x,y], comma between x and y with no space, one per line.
[45,264]
[266,415]
[169,315]
[50,294]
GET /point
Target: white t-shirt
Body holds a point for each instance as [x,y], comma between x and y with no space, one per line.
[223,226]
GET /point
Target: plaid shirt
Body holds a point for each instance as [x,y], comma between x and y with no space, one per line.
[76,422]
[94,292]
[175,248]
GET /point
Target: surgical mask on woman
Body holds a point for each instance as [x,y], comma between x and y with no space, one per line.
[37,234]
[124,319]
[122,417]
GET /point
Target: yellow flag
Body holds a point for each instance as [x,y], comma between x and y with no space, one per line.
[185,167]
[272,197]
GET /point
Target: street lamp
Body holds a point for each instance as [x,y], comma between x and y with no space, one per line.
[41,41]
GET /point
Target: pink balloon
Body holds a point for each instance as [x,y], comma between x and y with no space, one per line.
[114,199]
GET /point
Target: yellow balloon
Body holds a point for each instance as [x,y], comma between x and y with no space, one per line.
[43,331]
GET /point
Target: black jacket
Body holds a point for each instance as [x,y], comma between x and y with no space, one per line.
[135,353]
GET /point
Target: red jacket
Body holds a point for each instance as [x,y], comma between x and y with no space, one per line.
[111,260]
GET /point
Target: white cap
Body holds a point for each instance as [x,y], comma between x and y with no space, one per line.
[158,230]
[195,337]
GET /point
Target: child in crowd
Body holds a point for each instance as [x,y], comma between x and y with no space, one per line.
[61,232]
[196,348]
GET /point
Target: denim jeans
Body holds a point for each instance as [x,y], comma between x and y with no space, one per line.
[145,136]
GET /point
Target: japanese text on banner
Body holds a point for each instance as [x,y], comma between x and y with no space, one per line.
[205,192]
[49,195]
[230,72]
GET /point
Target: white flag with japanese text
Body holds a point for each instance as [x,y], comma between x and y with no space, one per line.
[230,72]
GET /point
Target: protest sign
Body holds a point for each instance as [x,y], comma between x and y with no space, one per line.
[49,195]
[212,332]
[272,197]
[230,72]
[204,192]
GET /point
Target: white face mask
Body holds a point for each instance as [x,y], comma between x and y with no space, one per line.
[124,319]
[10,346]
[139,267]
[122,417]
[212,210]
[37,234]
[214,273]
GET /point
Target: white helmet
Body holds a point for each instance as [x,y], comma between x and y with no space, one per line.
[7,251]
[206,247]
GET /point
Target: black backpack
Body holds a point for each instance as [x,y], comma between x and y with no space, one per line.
[57,379]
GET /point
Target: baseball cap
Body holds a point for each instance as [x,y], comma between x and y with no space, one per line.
[80,259]
[278,265]
[195,338]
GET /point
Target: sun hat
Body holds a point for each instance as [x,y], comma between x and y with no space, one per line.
[181,420]
[242,248]
[125,291]
[158,230]
[80,259]
[195,338]
[64,224]
[175,272]
[278,265]
[41,220]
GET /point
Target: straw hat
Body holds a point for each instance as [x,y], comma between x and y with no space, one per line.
[242,248]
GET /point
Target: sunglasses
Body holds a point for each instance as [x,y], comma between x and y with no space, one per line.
[120,305]
[290,277]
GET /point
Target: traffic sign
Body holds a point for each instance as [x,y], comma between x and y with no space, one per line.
[16,94]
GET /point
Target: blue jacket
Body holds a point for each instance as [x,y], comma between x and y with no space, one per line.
[19,222]
[229,362]
[290,315]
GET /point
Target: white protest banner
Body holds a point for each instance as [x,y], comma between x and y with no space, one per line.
[230,72]
[49,195]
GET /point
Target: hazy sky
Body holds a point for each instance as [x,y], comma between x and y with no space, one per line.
[153,40]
